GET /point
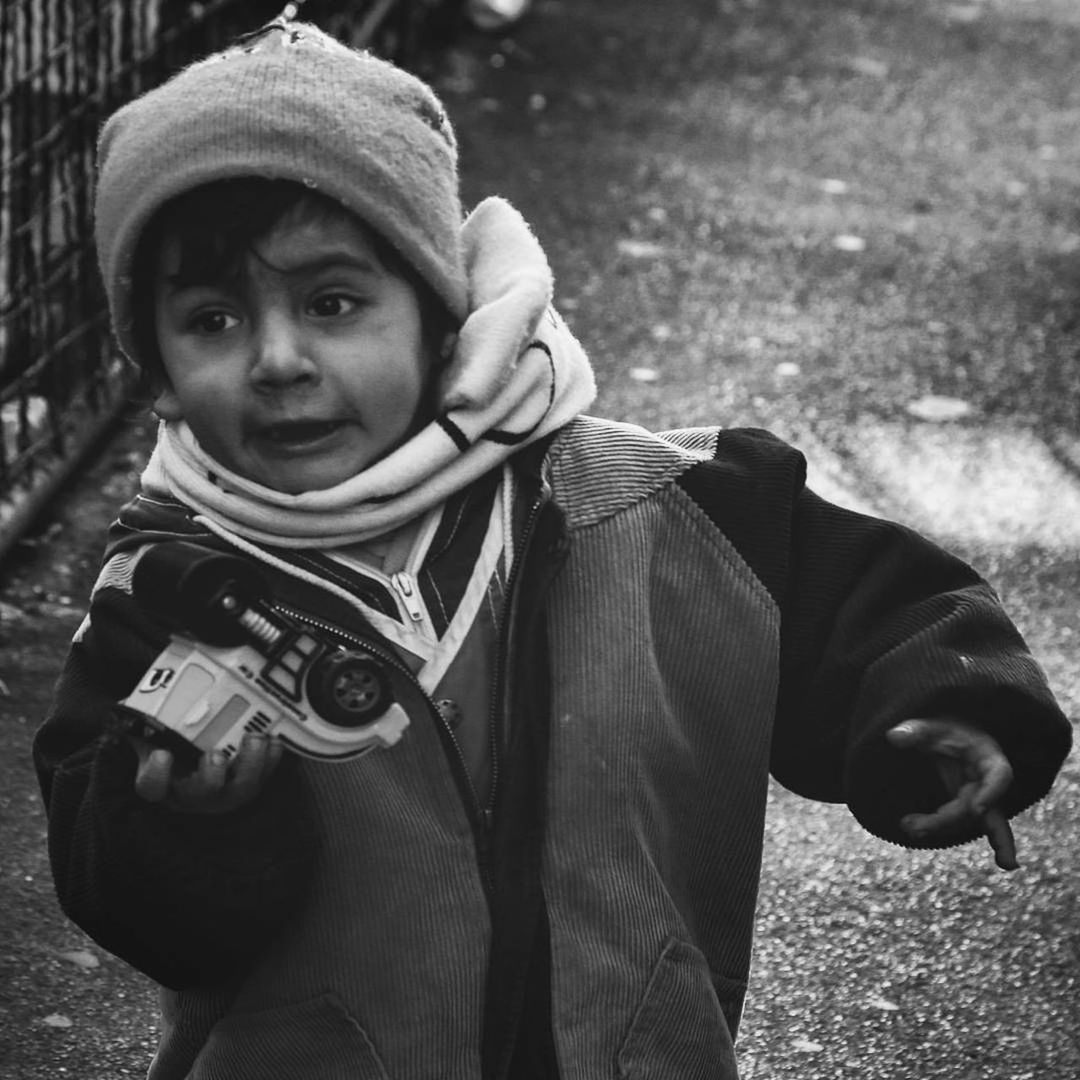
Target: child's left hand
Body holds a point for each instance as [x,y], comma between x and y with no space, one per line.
[975,772]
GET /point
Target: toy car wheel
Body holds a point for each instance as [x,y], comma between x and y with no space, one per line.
[348,690]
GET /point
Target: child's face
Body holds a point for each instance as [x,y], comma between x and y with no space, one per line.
[303,368]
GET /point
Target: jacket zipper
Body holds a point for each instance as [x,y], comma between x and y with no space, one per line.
[405,586]
[481,814]
[499,698]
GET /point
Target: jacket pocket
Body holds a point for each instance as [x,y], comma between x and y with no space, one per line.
[309,1040]
[679,1031]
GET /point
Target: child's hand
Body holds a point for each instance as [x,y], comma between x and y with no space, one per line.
[975,772]
[216,785]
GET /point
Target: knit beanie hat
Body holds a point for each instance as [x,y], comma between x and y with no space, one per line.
[291,103]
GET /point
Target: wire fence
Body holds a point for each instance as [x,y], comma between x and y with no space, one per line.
[64,66]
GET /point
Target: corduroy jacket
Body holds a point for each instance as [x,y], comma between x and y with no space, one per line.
[684,618]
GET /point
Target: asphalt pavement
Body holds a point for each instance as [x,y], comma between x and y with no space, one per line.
[872,961]
[876,962]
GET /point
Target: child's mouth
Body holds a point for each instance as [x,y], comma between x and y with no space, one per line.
[299,434]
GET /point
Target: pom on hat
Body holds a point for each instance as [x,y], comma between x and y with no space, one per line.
[292,103]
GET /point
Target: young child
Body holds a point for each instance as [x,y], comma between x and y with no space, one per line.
[605,640]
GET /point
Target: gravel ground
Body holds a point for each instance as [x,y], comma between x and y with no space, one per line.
[690,167]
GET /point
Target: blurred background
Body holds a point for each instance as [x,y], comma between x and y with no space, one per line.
[855,222]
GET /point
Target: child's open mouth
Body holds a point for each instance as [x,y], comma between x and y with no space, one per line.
[300,434]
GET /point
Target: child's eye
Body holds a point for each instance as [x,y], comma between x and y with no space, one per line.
[212,321]
[333,305]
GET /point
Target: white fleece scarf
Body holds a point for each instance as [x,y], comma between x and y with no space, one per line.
[516,375]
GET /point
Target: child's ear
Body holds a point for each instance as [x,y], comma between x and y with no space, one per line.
[167,404]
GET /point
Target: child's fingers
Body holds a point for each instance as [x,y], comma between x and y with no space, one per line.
[993,774]
[1000,835]
[154,775]
[277,749]
[989,777]
[252,766]
[951,817]
[976,774]
[910,734]
[976,753]
[958,814]
[214,786]
[967,807]
[220,785]
[201,790]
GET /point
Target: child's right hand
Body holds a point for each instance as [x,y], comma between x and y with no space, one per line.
[216,786]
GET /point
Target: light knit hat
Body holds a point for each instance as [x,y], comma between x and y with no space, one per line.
[291,103]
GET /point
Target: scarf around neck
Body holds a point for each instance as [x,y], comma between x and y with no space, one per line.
[517,374]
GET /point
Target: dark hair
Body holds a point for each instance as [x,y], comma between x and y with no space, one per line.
[217,225]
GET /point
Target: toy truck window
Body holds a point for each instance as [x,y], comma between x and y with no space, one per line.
[192,685]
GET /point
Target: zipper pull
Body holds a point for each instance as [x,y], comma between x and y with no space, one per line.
[405,587]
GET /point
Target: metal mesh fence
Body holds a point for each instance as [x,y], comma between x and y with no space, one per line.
[64,66]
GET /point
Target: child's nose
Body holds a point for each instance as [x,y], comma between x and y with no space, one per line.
[281,356]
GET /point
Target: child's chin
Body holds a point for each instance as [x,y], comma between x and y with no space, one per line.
[296,482]
[296,473]
[297,477]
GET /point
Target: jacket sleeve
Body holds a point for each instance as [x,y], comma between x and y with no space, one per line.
[881,625]
[188,899]
[878,625]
